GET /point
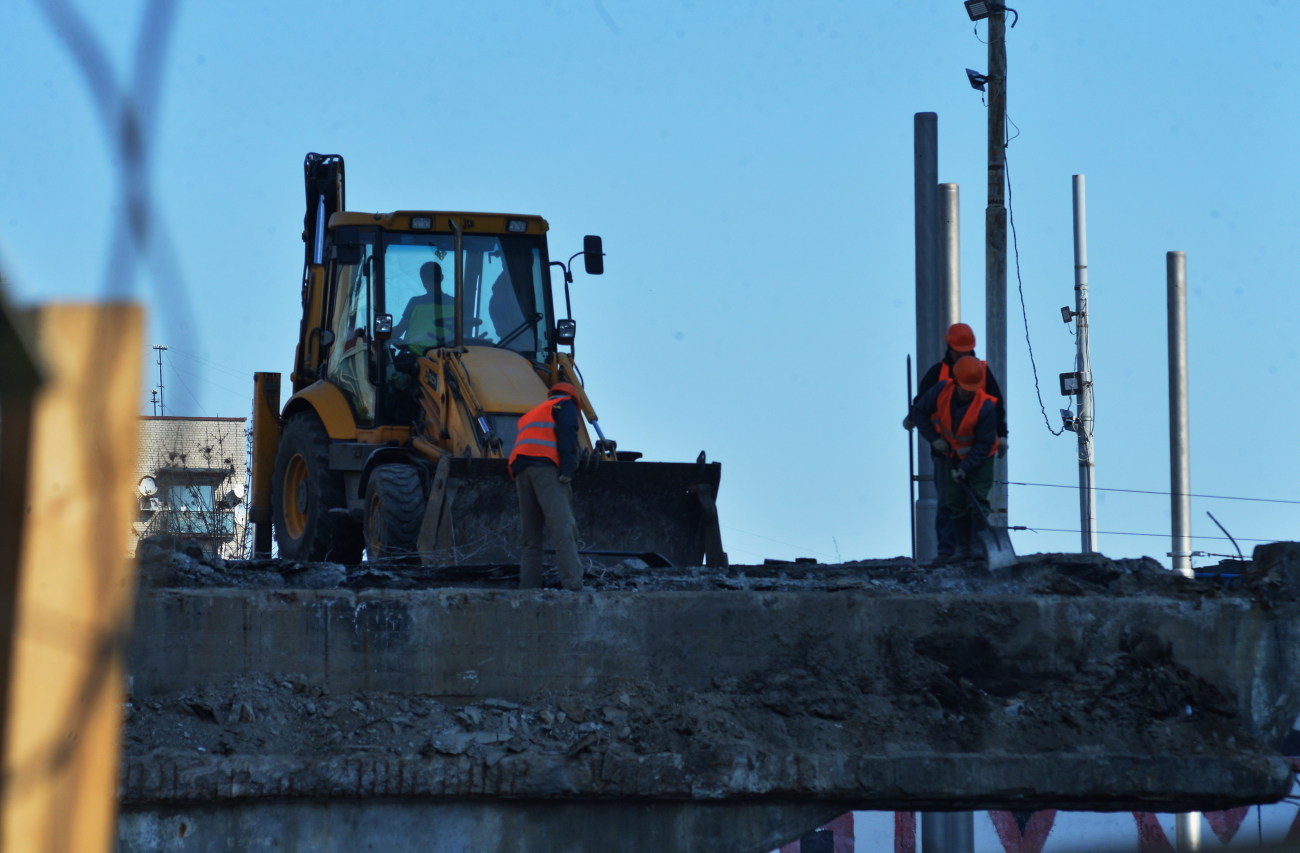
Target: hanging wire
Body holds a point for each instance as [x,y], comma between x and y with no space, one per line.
[1035,529]
[1155,492]
[1020,286]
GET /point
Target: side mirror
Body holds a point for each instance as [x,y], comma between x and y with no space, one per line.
[383,327]
[593,256]
[565,331]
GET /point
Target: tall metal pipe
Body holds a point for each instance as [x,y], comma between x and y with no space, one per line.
[947,832]
[995,240]
[1180,465]
[1187,832]
[949,257]
[928,337]
[1083,426]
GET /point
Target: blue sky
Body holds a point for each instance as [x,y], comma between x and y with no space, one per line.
[749,167]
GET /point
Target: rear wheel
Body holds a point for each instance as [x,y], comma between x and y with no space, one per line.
[394,511]
[304,491]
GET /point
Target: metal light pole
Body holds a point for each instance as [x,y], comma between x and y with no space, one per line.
[928,336]
[949,256]
[995,239]
[162,401]
[1082,364]
[1180,466]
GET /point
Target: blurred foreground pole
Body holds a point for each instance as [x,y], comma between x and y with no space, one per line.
[995,240]
[1180,466]
[75,591]
[19,383]
[928,334]
[1083,364]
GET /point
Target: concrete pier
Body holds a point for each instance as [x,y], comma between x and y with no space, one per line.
[743,705]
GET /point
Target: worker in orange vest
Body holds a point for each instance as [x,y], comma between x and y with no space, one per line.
[542,464]
[960,340]
[958,417]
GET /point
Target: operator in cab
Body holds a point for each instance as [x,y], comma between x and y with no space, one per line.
[430,318]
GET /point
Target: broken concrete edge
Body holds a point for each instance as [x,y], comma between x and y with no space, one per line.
[864,782]
[698,677]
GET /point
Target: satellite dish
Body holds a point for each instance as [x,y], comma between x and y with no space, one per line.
[148,486]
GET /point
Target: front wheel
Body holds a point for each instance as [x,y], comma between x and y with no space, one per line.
[304,491]
[394,511]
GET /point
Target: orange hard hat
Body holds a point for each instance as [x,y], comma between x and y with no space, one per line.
[961,337]
[969,371]
[563,388]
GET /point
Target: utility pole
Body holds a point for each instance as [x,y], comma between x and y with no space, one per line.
[925,128]
[153,398]
[1083,366]
[995,237]
[1180,466]
[159,348]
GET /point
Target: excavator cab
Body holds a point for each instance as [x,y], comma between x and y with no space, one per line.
[425,336]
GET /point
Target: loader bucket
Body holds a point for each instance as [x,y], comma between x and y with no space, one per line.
[621,508]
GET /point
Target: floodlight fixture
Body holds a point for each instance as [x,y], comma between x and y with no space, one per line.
[977,80]
[978,10]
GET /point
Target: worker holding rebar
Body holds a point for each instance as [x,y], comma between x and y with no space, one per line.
[958,417]
[542,465]
[960,342]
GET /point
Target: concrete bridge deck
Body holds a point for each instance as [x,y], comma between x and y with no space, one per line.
[744,705]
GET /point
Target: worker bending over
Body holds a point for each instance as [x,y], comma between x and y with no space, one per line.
[958,417]
[542,463]
[960,340]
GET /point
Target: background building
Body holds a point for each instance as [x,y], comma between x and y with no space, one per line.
[191,483]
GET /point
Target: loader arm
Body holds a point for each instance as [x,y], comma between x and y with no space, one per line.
[454,419]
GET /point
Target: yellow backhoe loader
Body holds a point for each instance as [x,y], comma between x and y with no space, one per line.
[424,336]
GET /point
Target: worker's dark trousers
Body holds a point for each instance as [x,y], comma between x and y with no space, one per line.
[964,516]
[545,502]
[944,534]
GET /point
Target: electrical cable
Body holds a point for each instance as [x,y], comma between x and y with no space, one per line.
[1035,529]
[1020,286]
[1155,492]
[777,541]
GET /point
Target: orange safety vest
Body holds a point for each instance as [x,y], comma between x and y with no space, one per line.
[537,433]
[963,438]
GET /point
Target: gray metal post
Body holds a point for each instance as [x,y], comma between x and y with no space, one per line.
[1083,364]
[1187,832]
[947,832]
[995,241]
[1180,466]
[949,257]
[928,338]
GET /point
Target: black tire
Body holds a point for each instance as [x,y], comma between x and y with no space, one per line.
[304,491]
[395,501]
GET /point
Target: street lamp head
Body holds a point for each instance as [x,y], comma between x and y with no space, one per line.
[977,80]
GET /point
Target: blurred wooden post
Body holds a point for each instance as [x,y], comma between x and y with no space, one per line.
[75,587]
